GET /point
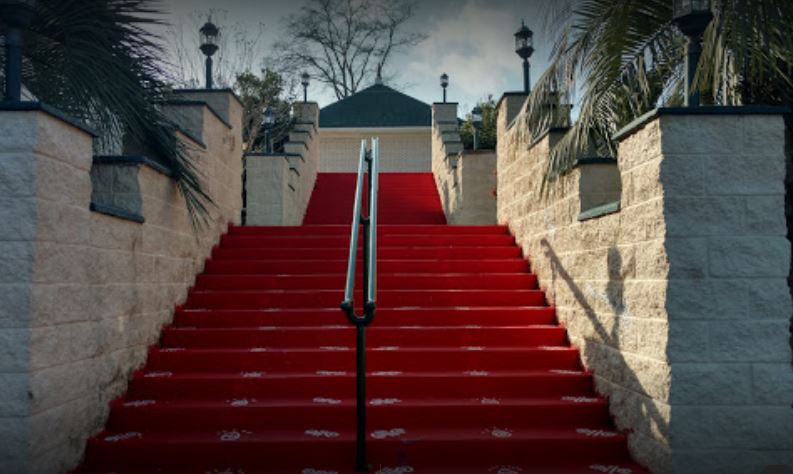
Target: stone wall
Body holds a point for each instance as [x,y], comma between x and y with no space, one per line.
[279,185]
[466,180]
[84,294]
[401,149]
[678,300]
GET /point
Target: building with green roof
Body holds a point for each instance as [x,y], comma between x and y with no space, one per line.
[403,124]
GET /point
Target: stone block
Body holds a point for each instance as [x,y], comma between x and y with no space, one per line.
[749,257]
[14,446]
[14,349]
[772,384]
[746,174]
[729,461]
[704,216]
[765,215]
[652,261]
[732,427]
[711,384]
[750,341]
[654,336]
[14,395]
[62,182]
[768,298]
[688,341]
[711,135]
[18,216]
[707,299]
[683,175]
[763,134]
[16,174]
[15,310]
[688,257]
[16,263]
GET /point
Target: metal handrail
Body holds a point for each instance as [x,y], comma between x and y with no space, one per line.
[369,285]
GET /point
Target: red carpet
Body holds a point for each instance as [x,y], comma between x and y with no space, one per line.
[405,198]
[468,371]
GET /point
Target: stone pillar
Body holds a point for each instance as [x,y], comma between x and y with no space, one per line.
[45,165]
[512,105]
[719,174]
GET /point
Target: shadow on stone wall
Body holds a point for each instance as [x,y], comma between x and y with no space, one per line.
[789,203]
[602,355]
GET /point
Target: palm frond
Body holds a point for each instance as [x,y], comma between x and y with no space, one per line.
[95,60]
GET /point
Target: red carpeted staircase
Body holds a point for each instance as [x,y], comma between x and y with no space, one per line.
[468,370]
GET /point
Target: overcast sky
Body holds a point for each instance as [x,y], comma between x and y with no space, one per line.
[471,40]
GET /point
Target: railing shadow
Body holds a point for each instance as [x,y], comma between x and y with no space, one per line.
[615,361]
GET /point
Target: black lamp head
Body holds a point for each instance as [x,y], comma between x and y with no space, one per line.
[268,116]
[444,80]
[476,116]
[210,34]
[692,16]
[304,79]
[17,13]
[524,41]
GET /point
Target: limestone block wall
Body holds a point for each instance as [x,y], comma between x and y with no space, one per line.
[83,294]
[466,180]
[678,301]
[402,149]
[279,185]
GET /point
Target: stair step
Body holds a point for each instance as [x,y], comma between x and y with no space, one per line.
[344,229]
[336,281]
[303,267]
[175,415]
[377,337]
[339,241]
[340,384]
[228,299]
[342,358]
[383,253]
[388,446]
[385,317]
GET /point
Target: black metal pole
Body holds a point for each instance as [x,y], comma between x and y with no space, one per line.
[268,145]
[360,400]
[526,75]
[693,52]
[13,69]
[305,94]
[209,72]
[476,138]
[444,95]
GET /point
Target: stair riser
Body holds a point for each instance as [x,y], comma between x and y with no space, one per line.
[385,299]
[377,387]
[331,241]
[344,230]
[384,317]
[274,361]
[516,281]
[375,337]
[383,253]
[342,418]
[340,453]
[241,267]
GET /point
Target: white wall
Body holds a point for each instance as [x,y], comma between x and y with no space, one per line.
[402,149]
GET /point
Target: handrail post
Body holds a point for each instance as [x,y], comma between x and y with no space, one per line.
[369,223]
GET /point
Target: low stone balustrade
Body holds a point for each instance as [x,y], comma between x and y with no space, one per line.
[97,251]
[669,270]
[466,179]
[279,185]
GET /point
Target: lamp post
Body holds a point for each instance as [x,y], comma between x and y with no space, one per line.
[17,15]
[268,119]
[444,84]
[209,46]
[524,47]
[304,79]
[476,119]
[693,18]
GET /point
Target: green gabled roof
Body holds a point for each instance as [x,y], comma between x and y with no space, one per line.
[376,106]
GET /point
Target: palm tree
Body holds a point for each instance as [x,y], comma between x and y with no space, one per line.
[95,60]
[626,58]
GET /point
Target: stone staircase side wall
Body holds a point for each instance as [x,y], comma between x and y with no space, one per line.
[466,180]
[677,298]
[84,294]
[279,185]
